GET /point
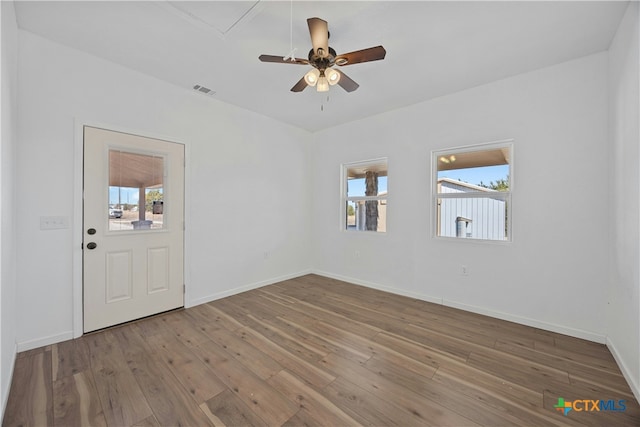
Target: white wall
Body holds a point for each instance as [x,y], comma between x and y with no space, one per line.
[623,309]
[555,272]
[247,181]
[7,227]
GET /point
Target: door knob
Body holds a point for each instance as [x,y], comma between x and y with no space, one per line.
[91,231]
[91,245]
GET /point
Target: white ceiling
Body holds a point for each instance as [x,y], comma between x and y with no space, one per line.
[433,48]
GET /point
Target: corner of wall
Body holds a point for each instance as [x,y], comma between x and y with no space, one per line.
[623,302]
[8,114]
[633,382]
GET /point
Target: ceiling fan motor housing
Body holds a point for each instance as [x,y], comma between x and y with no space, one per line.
[322,62]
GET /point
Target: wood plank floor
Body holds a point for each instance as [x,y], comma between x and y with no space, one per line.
[313,351]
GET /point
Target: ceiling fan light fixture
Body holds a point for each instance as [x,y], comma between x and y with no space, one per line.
[323,84]
[322,57]
[312,77]
[332,76]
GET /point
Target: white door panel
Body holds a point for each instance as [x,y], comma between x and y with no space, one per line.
[133,227]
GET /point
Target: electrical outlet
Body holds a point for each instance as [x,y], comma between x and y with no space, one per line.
[53,222]
[464,270]
[356,254]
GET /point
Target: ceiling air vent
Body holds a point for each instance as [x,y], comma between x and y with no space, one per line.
[204,90]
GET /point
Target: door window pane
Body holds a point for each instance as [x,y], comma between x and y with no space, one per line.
[136,191]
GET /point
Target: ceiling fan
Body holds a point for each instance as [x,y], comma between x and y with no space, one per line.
[323,57]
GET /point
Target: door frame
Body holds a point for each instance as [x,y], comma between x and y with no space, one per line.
[77,216]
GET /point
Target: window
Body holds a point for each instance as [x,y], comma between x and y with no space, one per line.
[365,195]
[472,192]
[136,191]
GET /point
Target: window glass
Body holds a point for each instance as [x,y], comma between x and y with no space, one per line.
[472,194]
[365,195]
[136,191]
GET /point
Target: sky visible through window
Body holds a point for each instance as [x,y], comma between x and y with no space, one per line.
[356,186]
[475,176]
[123,195]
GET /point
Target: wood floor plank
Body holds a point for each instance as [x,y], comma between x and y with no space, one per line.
[350,345]
[287,359]
[227,409]
[151,326]
[201,319]
[230,311]
[69,358]
[283,339]
[302,418]
[201,383]
[443,341]
[502,365]
[183,328]
[150,421]
[276,295]
[305,396]
[216,314]
[405,399]
[303,309]
[256,394]
[367,408]
[76,402]
[577,366]
[598,356]
[314,343]
[258,306]
[388,355]
[31,396]
[520,405]
[442,395]
[426,354]
[252,358]
[428,314]
[120,395]
[170,402]
[315,351]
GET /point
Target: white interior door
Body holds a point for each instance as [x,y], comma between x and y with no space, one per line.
[133,241]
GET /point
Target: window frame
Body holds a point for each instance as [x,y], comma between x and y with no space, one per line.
[507,196]
[344,198]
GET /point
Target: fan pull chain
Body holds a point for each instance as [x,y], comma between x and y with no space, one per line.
[322,104]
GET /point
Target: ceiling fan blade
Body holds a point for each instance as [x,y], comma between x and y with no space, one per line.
[319,31]
[365,55]
[278,59]
[346,83]
[300,86]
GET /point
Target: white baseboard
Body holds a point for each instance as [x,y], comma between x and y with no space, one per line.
[244,288]
[552,327]
[626,372]
[379,287]
[41,342]
[577,333]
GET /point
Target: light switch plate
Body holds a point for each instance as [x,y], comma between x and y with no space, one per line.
[53,222]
